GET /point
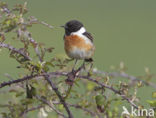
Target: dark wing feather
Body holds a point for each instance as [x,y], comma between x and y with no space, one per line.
[89,60]
[88,35]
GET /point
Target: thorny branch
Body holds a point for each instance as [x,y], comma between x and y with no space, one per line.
[58,112]
[99,83]
[59,95]
[124,75]
[3,45]
[66,74]
[3,84]
[51,106]
[33,20]
[84,109]
[31,109]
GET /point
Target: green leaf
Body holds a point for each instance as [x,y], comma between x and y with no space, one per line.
[26,101]
[31,91]
[49,64]
[77,84]
[19,94]
[154,94]
[60,106]
[4,115]
[100,100]
[152,103]
[90,86]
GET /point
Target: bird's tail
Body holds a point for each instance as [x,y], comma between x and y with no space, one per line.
[89,60]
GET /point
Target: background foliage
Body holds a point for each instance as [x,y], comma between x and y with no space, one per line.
[123,31]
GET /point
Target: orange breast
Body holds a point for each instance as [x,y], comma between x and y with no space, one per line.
[76,41]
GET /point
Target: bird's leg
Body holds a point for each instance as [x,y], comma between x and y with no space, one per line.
[90,68]
[71,75]
[74,65]
[83,65]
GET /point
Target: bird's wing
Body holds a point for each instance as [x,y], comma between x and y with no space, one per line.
[88,35]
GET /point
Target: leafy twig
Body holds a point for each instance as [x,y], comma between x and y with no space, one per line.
[15,50]
[124,75]
[51,106]
[3,84]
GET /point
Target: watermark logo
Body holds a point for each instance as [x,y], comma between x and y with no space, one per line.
[138,112]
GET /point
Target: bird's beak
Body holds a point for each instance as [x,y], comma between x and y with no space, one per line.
[62,26]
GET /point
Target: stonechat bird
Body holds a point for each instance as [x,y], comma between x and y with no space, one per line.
[78,43]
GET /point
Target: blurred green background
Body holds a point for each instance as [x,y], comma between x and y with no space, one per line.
[123,30]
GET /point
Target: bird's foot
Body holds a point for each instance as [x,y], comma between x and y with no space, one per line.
[71,77]
[89,73]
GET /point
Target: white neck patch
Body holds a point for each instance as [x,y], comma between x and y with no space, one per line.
[79,32]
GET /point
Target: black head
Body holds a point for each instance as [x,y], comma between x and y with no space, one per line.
[72,26]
